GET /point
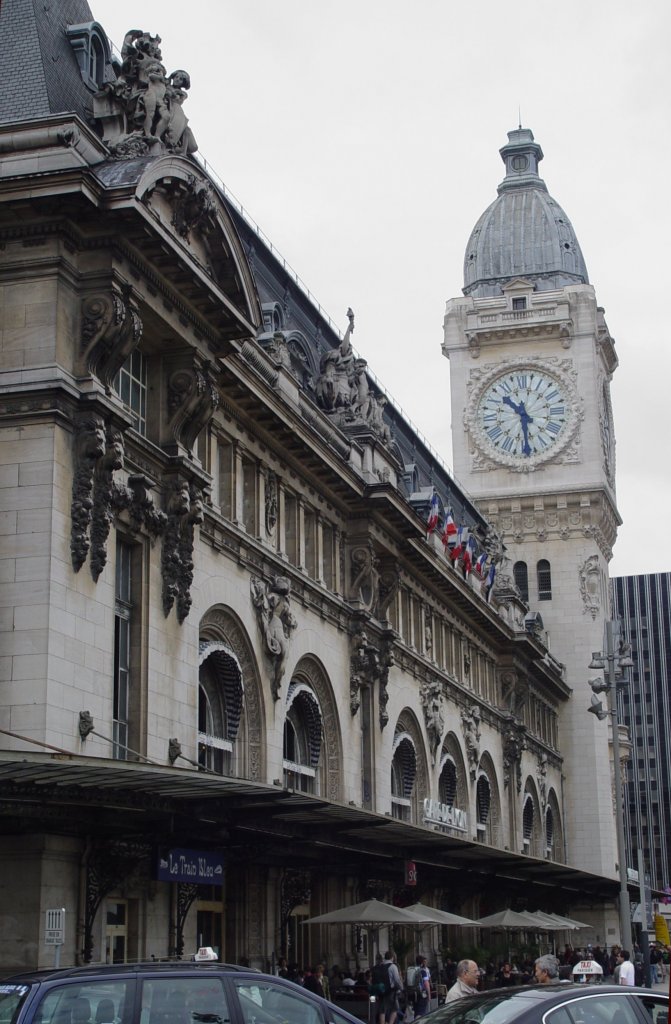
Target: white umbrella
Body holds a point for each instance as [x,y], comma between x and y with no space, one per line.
[568,922]
[431,915]
[368,913]
[506,919]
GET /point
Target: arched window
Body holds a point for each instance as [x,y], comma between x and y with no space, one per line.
[219,707]
[447,784]
[403,772]
[528,821]
[521,577]
[483,802]
[544,577]
[302,740]
[549,834]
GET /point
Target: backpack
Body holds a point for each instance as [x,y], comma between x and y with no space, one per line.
[413,977]
[381,982]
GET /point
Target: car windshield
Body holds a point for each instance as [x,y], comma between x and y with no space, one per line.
[11,999]
[501,1006]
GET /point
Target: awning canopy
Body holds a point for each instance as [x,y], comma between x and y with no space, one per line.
[134,800]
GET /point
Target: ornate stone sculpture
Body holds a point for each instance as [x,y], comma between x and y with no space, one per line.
[589,574]
[185,511]
[471,725]
[388,584]
[111,330]
[432,696]
[541,776]
[142,109]
[103,499]
[276,622]
[89,447]
[364,576]
[192,399]
[271,502]
[364,667]
[343,389]
[514,742]
[386,663]
[193,207]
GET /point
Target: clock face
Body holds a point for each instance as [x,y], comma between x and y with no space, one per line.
[523,413]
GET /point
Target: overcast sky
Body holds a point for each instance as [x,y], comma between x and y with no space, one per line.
[363,136]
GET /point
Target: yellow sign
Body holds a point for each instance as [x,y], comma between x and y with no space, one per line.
[662,930]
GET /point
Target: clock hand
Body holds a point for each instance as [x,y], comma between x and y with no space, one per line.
[506,400]
[525,420]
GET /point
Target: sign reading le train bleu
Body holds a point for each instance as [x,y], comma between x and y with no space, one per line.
[444,815]
[199,867]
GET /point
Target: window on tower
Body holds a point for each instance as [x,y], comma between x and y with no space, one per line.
[521,576]
[520,302]
[544,578]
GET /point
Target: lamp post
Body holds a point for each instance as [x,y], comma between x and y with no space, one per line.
[613,678]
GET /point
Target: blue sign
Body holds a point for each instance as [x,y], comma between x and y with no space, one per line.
[199,867]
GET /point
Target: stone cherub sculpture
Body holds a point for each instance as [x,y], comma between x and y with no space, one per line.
[148,101]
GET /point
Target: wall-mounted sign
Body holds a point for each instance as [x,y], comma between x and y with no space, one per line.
[199,867]
[436,813]
[410,872]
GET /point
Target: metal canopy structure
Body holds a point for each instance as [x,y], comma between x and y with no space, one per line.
[69,794]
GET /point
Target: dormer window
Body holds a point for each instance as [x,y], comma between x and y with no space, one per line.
[520,302]
[92,50]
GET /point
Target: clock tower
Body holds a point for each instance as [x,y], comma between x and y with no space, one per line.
[531,360]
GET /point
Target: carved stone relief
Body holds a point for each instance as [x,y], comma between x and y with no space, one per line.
[388,584]
[432,695]
[111,329]
[541,776]
[184,512]
[589,575]
[514,743]
[103,499]
[470,719]
[276,622]
[193,207]
[364,576]
[192,399]
[270,502]
[89,447]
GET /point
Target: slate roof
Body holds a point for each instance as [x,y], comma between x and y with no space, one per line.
[524,233]
[39,74]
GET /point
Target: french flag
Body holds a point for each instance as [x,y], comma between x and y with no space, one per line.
[460,543]
[467,560]
[434,514]
[491,576]
[449,529]
[479,567]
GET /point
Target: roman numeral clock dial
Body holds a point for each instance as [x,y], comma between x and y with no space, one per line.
[522,417]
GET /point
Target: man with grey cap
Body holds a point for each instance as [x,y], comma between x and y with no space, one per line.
[546,969]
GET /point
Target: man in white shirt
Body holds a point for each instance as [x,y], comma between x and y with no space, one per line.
[627,975]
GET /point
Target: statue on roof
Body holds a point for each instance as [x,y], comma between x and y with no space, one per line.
[343,389]
[141,111]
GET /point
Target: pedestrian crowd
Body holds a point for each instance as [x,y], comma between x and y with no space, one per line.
[408,996]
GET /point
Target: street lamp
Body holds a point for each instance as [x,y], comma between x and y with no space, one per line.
[613,663]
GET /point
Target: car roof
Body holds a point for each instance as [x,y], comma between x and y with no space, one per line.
[527,996]
[148,967]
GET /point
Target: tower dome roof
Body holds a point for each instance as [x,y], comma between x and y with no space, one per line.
[524,233]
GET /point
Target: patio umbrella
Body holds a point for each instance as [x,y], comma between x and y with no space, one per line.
[569,922]
[369,913]
[431,915]
[543,922]
[506,919]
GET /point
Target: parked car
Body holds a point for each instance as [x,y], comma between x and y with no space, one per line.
[563,1003]
[162,993]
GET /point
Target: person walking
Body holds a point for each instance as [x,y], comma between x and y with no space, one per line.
[546,969]
[468,976]
[627,975]
[423,987]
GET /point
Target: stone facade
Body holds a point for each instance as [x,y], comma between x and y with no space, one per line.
[225,628]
